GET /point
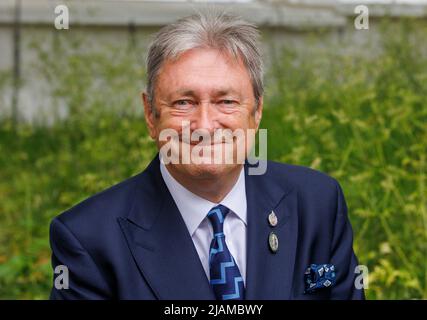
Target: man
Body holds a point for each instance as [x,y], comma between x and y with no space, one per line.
[190,228]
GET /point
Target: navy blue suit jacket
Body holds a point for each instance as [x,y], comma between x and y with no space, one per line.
[130,241]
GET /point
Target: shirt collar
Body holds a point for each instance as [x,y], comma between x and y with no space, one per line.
[194,209]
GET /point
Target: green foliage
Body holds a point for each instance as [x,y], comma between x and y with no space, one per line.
[361,118]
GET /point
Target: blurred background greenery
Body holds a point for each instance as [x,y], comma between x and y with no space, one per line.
[362,118]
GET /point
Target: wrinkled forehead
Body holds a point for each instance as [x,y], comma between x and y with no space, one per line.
[207,68]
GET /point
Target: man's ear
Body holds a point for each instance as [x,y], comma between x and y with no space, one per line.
[149,115]
[258,112]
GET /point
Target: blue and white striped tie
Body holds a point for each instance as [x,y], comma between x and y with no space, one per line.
[226,280]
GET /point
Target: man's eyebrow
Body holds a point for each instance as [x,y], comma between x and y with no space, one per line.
[184,92]
[216,92]
[225,91]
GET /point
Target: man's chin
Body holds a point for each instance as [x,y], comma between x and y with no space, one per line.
[206,170]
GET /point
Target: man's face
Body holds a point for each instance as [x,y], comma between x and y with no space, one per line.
[206,90]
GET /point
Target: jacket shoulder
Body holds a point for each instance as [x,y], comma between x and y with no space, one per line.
[103,206]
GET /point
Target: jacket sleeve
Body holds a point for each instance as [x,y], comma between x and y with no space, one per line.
[77,276]
[343,256]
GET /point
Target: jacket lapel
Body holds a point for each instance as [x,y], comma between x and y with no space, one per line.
[269,275]
[167,259]
[160,243]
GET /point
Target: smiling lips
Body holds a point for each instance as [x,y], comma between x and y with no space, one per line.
[206,141]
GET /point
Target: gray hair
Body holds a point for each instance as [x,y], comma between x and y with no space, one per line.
[220,31]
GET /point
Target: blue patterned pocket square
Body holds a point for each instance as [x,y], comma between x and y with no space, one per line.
[318,276]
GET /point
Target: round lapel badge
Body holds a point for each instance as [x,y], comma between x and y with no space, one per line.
[273,242]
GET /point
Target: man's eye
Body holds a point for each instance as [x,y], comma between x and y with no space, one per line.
[227,102]
[183,103]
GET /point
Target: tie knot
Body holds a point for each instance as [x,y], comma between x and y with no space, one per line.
[217,216]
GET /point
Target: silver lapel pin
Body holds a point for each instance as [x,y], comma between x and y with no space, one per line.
[272,219]
[273,242]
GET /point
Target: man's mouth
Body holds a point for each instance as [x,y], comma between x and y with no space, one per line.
[203,143]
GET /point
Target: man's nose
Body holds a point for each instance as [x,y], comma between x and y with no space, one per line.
[205,117]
